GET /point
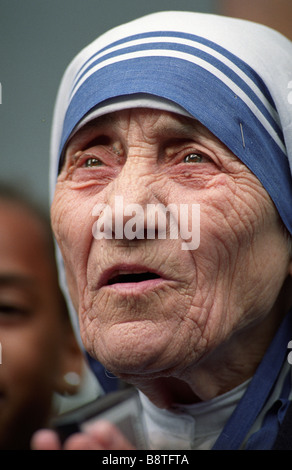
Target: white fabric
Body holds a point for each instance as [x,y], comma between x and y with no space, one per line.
[131,102]
[189,427]
[238,36]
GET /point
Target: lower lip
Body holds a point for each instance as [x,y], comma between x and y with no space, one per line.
[136,287]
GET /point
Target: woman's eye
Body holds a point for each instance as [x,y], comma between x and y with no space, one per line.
[194,158]
[92,161]
[12,310]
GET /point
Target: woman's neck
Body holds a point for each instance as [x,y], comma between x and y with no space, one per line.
[224,369]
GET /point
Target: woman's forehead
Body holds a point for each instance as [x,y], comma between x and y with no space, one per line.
[163,123]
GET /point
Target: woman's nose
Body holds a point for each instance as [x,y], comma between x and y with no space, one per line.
[124,213]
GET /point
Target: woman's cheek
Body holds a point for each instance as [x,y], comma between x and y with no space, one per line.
[67,215]
[71,234]
[59,211]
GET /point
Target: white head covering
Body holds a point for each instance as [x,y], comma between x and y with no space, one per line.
[232,75]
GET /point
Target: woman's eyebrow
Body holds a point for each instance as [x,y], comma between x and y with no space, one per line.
[180,126]
[101,139]
[12,279]
[179,131]
[95,132]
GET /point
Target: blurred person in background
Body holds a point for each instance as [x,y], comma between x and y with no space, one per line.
[39,351]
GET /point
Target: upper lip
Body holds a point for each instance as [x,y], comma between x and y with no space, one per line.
[116,272]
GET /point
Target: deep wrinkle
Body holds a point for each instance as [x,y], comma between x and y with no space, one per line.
[217,287]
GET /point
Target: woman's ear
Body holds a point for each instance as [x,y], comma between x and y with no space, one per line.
[71,365]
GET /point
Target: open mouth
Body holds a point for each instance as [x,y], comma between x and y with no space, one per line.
[132,278]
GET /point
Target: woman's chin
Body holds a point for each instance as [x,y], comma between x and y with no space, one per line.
[133,350]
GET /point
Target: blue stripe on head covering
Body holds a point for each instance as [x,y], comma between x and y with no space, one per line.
[216,87]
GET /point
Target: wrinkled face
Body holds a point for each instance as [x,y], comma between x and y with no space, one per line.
[146,306]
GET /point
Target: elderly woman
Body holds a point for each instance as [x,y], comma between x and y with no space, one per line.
[181,109]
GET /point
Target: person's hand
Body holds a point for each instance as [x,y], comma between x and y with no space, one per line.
[102,435]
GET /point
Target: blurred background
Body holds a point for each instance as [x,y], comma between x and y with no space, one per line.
[38,38]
